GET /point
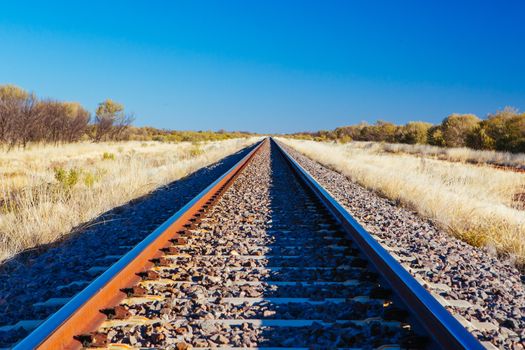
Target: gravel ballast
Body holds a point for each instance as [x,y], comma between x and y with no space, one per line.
[219,287]
[484,292]
[35,276]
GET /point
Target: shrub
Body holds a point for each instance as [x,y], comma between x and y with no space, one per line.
[382,132]
[345,139]
[479,139]
[435,136]
[108,156]
[111,122]
[507,128]
[67,179]
[456,127]
[414,132]
[89,179]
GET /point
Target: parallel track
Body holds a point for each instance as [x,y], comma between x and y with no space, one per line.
[312,277]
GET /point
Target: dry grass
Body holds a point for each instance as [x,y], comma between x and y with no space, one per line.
[46,191]
[463,154]
[477,203]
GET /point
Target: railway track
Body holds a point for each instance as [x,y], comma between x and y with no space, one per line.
[264,257]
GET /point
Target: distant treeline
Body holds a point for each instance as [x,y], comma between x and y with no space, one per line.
[501,131]
[24,119]
[148,133]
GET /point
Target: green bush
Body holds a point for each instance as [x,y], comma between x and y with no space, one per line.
[507,129]
[89,179]
[67,179]
[479,139]
[414,132]
[435,136]
[108,156]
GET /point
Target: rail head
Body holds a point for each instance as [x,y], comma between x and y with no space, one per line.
[445,330]
[81,313]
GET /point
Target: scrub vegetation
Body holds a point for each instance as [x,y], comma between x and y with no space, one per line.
[61,167]
[46,191]
[479,204]
[453,154]
[502,131]
[27,120]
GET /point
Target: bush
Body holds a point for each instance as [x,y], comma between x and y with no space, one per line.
[479,139]
[89,179]
[381,132]
[111,122]
[414,132]
[507,129]
[67,179]
[345,139]
[457,127]
[108,156]
[435,136]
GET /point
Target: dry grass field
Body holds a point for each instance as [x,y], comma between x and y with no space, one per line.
[45,191]
[460,154]
[477,203]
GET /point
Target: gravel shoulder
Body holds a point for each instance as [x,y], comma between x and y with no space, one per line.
[486,294]
[243,277]
[37,275]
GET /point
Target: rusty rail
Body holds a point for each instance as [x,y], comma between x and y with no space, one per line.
[82,314]
[445,331]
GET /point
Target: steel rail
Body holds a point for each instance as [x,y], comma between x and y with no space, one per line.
[445,330]
[81,314]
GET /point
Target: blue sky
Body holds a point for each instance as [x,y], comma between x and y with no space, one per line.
[269,66]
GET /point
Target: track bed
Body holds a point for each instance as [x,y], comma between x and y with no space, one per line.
[267,266]
[257,260]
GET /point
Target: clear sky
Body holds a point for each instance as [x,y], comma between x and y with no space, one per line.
[269,66]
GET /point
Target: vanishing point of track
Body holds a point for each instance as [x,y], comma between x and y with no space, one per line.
[264,257]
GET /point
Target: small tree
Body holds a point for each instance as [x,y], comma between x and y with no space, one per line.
[53,121]
[353,132]
[507,129]
[77,121]
[15,105]
[435,136]
[457,127]
[415,132]
[479,139]
[381,131]
[110,121]
[22,114]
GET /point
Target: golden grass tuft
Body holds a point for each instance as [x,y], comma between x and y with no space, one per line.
[46,191]
[476,203]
